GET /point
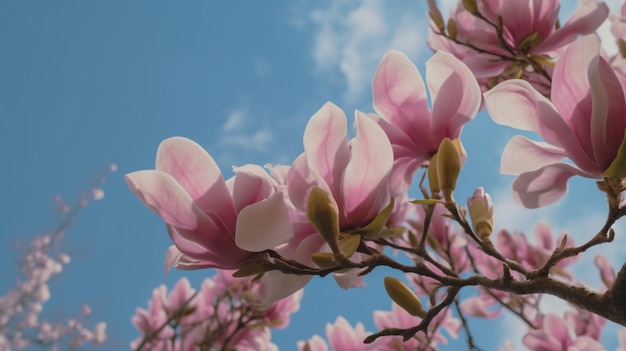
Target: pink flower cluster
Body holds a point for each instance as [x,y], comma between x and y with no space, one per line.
[23,323]
[218,316]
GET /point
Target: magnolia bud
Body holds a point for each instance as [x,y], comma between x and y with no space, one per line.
[323,213]
[433,178]
[471,6]
[404,297]
[481,213]
[452,31]
[448,166]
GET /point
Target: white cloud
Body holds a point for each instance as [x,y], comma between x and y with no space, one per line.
[239,131]
[235,120]
[352,37]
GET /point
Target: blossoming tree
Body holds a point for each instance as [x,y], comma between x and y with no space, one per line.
[342,207]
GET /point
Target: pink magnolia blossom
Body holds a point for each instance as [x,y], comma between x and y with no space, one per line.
[521,19]
[399,318]
[204,214]
[355,173]
[584,122]
[557,334]
[415,131]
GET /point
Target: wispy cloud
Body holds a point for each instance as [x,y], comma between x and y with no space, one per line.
[240,132]
[351,38]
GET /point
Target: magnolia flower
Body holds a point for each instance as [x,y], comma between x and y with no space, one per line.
[529,28]
[204,214]
[584,122]
[415,131]
[354,173]
[557,334]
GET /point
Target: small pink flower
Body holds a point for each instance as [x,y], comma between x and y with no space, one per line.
[557,334]
[584,122]
[606,270]
[400,98]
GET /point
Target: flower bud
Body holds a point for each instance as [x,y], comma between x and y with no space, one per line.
[433,178]
[452,31]
[449,166]
[323,213]
[471,6]
[481,213]
[404,297]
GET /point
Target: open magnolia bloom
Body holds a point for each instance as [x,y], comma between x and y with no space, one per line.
[584,122]
[528,31]
[415,130]
[355,174]
[206,214]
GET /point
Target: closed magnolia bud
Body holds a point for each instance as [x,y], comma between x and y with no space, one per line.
[452,31]
[404,297]
[323,213]
[481,213]
[433,178]
[471,6]
[448,166]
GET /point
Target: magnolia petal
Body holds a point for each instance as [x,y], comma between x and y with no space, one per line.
[264,225]
[485,66]
[171,257]
[276,285]
[517,104]
[325,143]
[476,306]
[196,171]
[400,96]
[584,21]
[522,155]
[251,184]
[609,115]
[300,181]
[163,195]
[543,186]
[365,182]
[540,340]
[455,94]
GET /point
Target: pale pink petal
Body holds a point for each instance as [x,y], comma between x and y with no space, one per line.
[275,285]
[584,21]
[365,182]
[252,184]
[522,155]
[517,104]
[538,340]
[264,224]
[171,257]
[196,171]
[606,270]
[326,145]
[543,186]
[163,195]
[316,343]
[455,94]
[485,66]
[400,97]
[300,180]
[608,119]
[476,306]
[585,343]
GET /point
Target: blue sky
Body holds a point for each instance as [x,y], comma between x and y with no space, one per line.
[84,84]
